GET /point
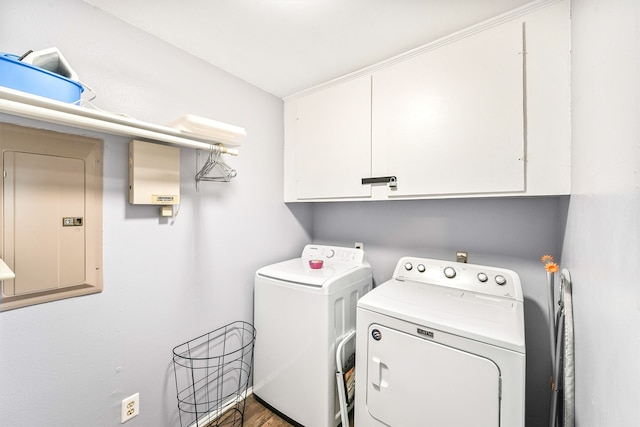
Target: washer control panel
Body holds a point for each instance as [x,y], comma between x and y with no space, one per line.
[335,254]
[465,277]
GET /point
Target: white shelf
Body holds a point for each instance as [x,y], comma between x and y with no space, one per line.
[35,107]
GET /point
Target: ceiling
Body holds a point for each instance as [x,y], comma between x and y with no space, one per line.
[285,46]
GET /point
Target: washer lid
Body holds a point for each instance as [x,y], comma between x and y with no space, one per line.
[485,318]
[299,272]
[336,262]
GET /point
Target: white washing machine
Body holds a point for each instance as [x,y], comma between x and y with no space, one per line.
[300,314]
[441,344]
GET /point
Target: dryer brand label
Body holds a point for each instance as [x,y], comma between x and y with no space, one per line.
[425,333]
[376,334]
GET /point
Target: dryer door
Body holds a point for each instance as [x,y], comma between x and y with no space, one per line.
[412,381]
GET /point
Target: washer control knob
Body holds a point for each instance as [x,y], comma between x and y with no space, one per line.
[482,277]
[450,272]
[421,268]
[330,253]
[408,266]
[500,280]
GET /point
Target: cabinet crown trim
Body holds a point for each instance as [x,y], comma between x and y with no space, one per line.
[474,29]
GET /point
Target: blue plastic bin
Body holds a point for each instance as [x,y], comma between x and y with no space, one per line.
[38,81]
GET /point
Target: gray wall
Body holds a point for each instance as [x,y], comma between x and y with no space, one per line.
[603,232]
[70,363]
[506,232]
[597,229]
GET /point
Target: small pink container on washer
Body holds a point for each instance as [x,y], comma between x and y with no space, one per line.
[315,264]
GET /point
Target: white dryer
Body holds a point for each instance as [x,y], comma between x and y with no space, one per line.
[441,344]
[300,314]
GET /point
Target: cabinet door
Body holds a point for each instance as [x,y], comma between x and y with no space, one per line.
[333,141]
[450,121]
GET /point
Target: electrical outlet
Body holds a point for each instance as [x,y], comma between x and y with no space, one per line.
[130,407]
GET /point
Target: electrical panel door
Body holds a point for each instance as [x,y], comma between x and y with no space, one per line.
[42,191]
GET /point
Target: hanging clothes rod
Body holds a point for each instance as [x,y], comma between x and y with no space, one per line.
[22,104]
[224,150]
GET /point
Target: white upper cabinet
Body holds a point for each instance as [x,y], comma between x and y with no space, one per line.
[483,112]
[450,120]
[333,131]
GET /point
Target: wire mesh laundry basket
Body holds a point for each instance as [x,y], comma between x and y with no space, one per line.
[212,376]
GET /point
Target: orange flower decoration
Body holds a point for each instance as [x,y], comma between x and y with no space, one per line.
[546,258]
[552,267]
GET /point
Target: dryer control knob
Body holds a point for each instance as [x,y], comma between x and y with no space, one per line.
[482,277]
[500,280]
[450,272]
[330,253]
[408,266]
[421,268]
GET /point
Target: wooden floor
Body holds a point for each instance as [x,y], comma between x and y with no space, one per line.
[256,415]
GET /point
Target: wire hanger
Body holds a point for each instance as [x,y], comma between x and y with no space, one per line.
[215,163]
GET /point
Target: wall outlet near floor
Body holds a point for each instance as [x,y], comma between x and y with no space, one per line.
[130,407]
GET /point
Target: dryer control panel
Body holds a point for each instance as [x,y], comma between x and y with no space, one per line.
[491,281]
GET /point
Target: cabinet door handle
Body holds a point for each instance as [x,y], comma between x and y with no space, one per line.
[391,181]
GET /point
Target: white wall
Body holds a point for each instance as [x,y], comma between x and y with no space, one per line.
[504,232]
[603,232]
[70,363]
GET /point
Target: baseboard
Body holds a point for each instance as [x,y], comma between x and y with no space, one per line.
[211,416]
